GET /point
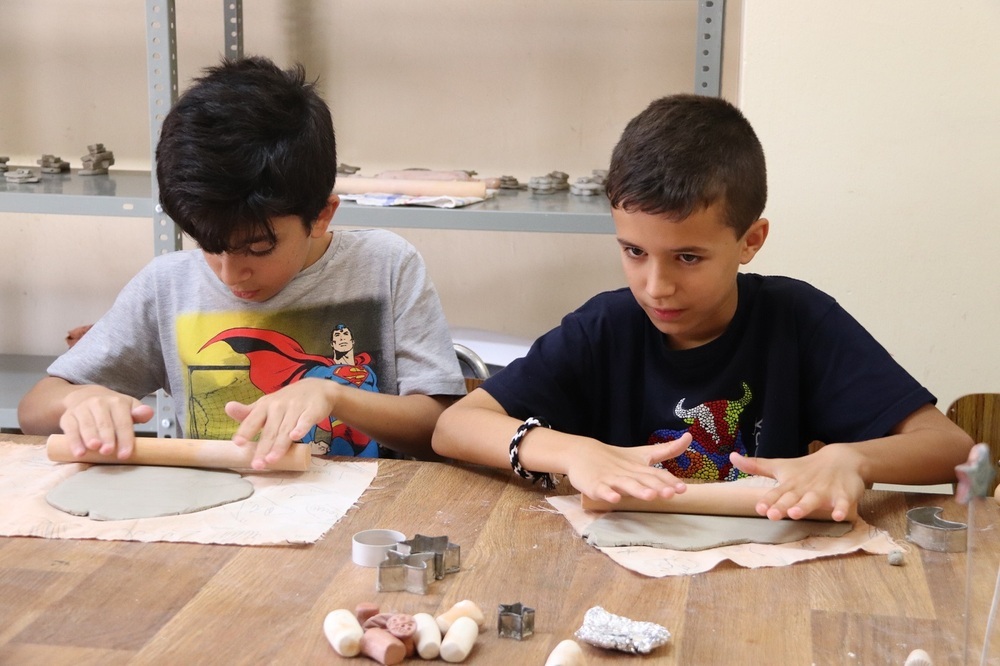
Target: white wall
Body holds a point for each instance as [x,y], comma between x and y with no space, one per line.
[880,122]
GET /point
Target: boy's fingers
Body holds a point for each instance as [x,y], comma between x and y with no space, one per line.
[841,509]
[71,429]
[237,411]
[141,413]
[606,493]
[668,450]
[752,466]
[806,505]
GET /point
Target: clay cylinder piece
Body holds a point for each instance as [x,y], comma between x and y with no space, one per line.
[383,647]
[365,610]
[458,642]
[343,631]
[428,636]
[464,608]
[567,653]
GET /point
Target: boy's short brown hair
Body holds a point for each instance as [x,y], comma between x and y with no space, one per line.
[684,152]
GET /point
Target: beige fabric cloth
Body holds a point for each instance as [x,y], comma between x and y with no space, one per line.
[287,508]
[660,562]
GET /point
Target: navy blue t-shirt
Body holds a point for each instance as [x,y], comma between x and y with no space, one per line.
[792,367]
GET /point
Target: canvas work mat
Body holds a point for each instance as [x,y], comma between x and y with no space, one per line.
[660,562]
[286,508]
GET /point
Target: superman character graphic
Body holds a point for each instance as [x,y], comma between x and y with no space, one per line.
[715,433]
[277,360]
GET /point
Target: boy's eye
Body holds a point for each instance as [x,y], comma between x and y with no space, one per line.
[260,251]
[633,251]
[688,258]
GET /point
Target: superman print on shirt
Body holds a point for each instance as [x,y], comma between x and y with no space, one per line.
[225,361]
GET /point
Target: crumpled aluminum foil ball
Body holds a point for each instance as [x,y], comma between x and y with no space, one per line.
[607,630]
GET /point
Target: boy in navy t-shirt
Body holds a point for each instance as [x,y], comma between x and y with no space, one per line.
[699,371]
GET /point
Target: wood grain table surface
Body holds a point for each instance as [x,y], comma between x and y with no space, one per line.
[116,602]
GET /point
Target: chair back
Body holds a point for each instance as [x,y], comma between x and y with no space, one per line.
[979,415]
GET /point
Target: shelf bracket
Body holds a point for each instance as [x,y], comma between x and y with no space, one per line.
[708,57]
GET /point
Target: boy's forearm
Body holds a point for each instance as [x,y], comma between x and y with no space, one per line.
[478,430]
[40,409]
[402,423]
[924,449]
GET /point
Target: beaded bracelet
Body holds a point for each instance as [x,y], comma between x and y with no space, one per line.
[548,481]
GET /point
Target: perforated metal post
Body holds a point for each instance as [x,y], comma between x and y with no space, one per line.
[708,59]
[233,10]
[161,71]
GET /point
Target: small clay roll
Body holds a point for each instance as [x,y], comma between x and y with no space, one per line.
[410,644]
[343,631]
[379,620]
[403,627]
[464,608]
[567,653]
[365,610]
[428,636]
[381,646]
[458,642]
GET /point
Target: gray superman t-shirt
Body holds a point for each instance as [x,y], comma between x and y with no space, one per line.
[364,314]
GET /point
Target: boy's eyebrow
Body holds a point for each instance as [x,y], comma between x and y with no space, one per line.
[688,249]
[247,242]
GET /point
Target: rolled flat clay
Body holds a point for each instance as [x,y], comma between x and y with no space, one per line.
[678,531]
[124,492]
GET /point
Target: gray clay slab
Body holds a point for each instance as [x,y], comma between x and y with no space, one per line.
[678,531]
[124,492]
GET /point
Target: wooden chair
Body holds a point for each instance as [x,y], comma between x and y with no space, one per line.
[979,415]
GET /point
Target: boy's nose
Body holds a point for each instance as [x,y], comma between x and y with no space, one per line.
[232,269]
[660,283]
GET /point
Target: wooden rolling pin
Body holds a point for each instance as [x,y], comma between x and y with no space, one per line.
[413,188]
[183,453]
[712,499]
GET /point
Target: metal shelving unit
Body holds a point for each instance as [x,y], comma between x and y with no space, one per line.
[134,193]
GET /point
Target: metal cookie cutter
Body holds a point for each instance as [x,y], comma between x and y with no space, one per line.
[447,556]
[515,621]
[927,529]
[408,573]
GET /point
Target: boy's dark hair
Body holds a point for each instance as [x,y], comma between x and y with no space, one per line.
[246,142]
[688,151]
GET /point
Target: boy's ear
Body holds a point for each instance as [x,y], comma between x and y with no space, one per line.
[319,226]
[754,239]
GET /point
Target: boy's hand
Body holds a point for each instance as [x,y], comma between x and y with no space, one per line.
[102,420]
[828,479]
[282,417]
[607,472]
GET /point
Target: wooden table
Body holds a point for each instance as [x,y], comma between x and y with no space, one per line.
[83,601]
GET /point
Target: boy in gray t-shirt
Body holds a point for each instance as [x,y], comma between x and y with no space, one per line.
[276,329]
